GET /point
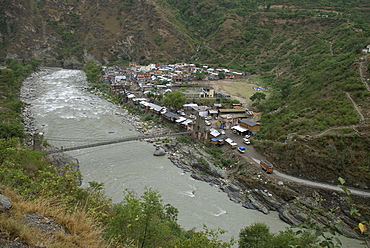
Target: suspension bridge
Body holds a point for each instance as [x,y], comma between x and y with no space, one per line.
[95,143]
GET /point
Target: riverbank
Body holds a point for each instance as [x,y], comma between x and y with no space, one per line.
[294,203]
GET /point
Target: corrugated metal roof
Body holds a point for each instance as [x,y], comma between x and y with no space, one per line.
[249,122]
[239,128]
[171,115]
[181,119]
[214,133]
[231,110]
[155,107]
[188,121]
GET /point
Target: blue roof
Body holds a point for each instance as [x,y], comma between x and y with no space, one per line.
[241,147]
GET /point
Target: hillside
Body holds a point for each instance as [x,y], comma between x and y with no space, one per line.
[250,36]
[307,53]
[70,32]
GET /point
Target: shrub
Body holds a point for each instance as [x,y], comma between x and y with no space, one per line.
[147,117]
[204,162]
[215,152]
[183,139]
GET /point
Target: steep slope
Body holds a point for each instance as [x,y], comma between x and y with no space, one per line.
[73,32]
[242,34]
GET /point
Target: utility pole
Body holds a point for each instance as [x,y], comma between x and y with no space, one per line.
[36,142]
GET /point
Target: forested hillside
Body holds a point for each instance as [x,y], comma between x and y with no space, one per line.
[255,36]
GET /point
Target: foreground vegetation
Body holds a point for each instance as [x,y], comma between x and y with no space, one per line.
[11,80]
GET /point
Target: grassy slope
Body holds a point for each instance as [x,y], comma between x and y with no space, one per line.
[79,230]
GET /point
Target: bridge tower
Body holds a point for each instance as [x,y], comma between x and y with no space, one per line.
[36,142]
[200,128]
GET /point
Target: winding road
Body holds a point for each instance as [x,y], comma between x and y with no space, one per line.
[321,185]
[356,107]
[251,153]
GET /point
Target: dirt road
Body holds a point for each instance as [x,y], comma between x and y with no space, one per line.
[253,157]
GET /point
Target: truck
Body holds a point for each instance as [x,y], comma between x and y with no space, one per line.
[267,166]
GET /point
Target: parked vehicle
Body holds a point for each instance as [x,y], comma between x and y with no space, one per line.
[247,136]
[231,143]
[267,166]
[246,141]
[241,149]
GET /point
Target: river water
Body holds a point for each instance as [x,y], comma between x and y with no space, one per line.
[68,115]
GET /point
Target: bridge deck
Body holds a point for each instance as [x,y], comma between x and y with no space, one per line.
[109,142]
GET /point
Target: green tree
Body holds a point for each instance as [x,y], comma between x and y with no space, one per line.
[144,222]
[11,130]
[258,236]
[285,89]
[258,96]
[35,63]
[153,93]
[150,94]
[93,72]
[159,97]
[221,75]
[174,100]
[200,75]
[208,238]
[255,236]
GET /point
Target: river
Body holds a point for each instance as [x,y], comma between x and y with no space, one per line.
[64,110]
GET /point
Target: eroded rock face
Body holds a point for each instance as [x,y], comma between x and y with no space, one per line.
[65,162]
[43,223]
[5,203]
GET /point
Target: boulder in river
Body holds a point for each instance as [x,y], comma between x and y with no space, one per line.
[159,151]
